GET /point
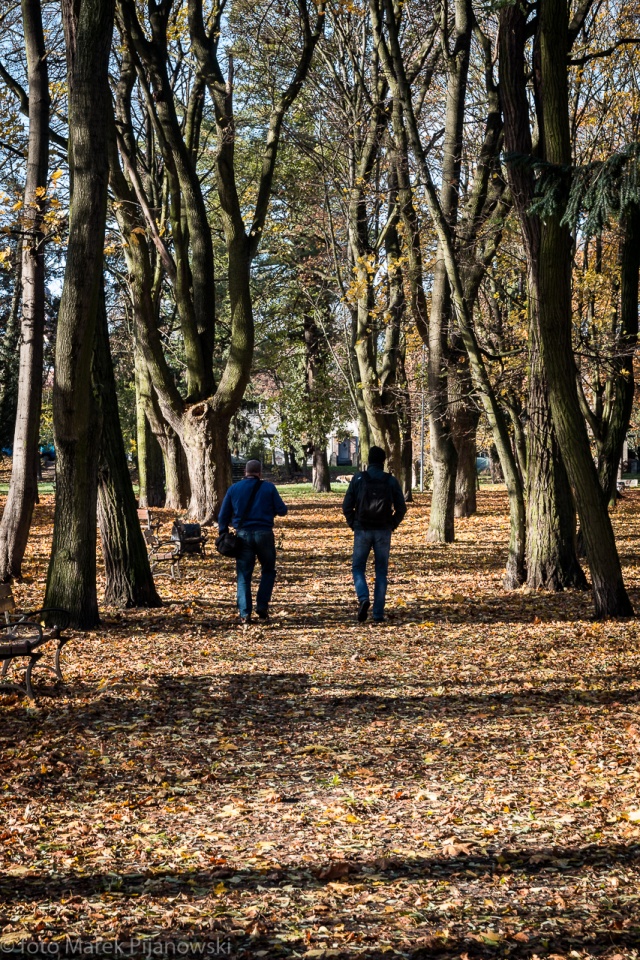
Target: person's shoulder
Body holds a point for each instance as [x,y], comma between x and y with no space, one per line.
[395,483]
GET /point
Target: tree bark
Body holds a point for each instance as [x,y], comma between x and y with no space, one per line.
[150,463]
[175,471]
[205,442]
[444,456]
[464,424]
[320,470]
[129,582]
[71,581]
[404,418]
[619,414]
[551,557]
[23,489]
[9,368]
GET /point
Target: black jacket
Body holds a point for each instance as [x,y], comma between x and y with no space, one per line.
[350,501]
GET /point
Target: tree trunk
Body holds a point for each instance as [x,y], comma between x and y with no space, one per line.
[129,582]
[205,441]
[175,471]
[404,417]
[176,476]
[444,457]
[320,471]
[617,422]
[9,351]
[71,581]
[151,491]
[23,489]
[364,433]
[553,289]
[551,558]
[316,387]
[464,425]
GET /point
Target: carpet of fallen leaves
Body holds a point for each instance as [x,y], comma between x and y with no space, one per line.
[461,782]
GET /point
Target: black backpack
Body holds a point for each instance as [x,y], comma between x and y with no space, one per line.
[375,502]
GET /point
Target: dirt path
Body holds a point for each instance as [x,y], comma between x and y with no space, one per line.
[462,782]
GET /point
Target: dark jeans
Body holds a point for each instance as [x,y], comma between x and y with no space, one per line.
[363,542]
[260,544]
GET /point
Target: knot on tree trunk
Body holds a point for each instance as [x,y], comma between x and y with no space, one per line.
[199,411]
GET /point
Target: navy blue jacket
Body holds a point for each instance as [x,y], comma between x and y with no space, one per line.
[266,506]
[350,501]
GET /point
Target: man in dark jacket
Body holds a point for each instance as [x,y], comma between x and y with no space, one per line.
[374,506]
[255,535]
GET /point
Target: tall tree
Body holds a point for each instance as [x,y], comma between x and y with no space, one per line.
[71,580]
[486,210]
[202,418]
[23,489]
[444,455]
[549,248]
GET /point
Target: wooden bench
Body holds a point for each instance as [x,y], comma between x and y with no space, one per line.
[23,637]
[160,551]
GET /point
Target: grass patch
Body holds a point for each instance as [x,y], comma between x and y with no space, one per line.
[306,490]
[44,487]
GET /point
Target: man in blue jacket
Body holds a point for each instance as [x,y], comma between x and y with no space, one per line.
[255,535]
[373,506]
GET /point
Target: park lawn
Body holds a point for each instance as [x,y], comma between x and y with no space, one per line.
[463,782]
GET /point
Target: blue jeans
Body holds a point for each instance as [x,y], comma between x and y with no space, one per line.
[363,541]
[260,544]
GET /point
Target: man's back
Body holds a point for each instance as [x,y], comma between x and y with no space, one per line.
[378,479]
[267,505]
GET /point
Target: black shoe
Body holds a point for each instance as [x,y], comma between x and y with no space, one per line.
[363,611]
[244,621]
[263,614]
[379,620]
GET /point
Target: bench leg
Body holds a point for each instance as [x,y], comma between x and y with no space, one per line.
[57,670]
[32,662]
[18,687]
[5,668]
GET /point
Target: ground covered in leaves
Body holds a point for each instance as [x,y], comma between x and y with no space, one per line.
[462,782]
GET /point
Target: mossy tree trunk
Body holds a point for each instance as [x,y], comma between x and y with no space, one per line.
[150,462]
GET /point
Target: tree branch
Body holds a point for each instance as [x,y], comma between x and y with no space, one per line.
[23,100]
